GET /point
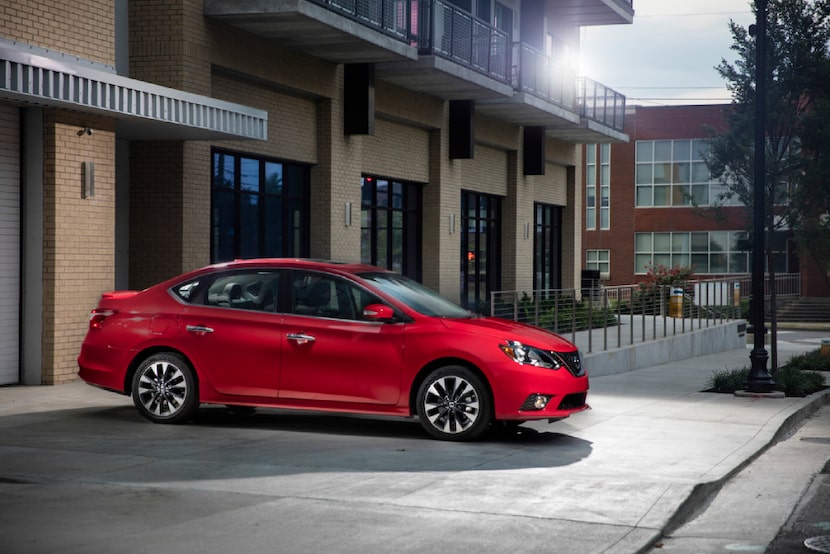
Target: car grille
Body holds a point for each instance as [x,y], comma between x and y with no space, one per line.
[573,361]
[573,401]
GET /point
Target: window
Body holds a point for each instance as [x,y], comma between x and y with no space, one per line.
[674,173]
[321,295]
[547,247]
[390,225]
[480,248]
[599,260]
[706,252]
[598,186]
[259,208]
[243,290]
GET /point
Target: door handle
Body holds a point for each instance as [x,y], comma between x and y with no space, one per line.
[199,329]
[300,338]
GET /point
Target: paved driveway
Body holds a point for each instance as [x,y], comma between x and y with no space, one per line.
[81,472]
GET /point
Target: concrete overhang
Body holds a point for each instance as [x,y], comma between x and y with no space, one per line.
[444,79]
[526,109]
[583,13]
[587,132]
[312,28]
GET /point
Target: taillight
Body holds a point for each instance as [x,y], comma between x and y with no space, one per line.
[97,317]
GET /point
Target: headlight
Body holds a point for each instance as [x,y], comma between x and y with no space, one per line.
[523,354]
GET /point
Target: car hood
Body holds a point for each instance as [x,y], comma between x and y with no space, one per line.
[503,329]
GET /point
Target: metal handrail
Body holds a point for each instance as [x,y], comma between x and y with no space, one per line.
[452,33]
[600,103]
[625,315]
[537,74]
[390,17]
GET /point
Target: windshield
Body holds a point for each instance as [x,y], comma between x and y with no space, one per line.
[415,295]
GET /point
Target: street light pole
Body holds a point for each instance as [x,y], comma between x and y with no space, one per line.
[759,380]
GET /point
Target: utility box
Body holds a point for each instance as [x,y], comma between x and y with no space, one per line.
[590,283]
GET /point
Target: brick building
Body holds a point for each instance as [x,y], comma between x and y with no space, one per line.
[144,139]
[646,204]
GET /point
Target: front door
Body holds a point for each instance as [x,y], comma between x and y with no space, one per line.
[329,354]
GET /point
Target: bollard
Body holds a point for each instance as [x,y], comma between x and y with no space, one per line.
[676,303]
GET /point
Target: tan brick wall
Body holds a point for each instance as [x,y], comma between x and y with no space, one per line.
[83,28]
[156,205]
[291,119]
[162,49]
[79,236]
[195,204]
[335,181]
[397,150]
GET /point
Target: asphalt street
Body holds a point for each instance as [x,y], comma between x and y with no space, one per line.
[82,472]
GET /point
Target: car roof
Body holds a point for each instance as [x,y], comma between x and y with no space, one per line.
[300,263]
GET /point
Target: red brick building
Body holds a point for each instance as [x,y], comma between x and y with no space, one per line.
[646,201]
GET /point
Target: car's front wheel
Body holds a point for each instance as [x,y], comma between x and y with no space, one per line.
[453,403]
[164,389]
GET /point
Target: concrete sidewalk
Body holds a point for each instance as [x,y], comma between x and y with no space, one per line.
[81,472]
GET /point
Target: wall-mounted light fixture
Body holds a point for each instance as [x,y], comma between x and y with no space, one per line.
[348,214]
[84,131]
[452,223]
[87,179]
[527,230]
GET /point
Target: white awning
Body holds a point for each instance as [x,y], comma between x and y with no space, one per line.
[144,111]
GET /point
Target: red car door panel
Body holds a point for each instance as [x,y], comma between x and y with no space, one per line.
[339,360]
[236,351]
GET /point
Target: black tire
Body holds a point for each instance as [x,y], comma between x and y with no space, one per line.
[164,389]
[454,404]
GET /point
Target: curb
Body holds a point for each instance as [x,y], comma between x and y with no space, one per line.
[702,493]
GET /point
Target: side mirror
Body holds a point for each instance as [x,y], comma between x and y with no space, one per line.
[378,312]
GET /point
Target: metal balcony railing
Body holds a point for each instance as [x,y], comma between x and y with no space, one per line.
[600,103]
[536,74]
[449,32]
[391,17]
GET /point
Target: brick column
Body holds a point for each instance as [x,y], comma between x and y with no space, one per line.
[78,235]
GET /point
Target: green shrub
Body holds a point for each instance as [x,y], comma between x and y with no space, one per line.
[728,380]
[791,380]
[797,382]
[809,361]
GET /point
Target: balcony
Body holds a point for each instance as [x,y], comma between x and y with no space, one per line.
[340,31]
[572,109]
[460,56]
[583,13]
[434,47]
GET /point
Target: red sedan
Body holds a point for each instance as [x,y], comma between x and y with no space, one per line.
[324,336]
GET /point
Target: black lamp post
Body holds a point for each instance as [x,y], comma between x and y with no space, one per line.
[759,380]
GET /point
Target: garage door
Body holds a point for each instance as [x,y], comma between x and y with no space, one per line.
[9,245]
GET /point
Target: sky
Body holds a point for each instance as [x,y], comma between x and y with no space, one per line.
[668,55]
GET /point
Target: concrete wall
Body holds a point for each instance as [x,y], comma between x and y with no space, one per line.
[718,338]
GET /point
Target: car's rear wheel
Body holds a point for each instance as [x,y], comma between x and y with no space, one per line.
[164,389]
[453,403]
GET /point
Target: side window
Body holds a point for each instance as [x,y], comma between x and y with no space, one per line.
[321,295]
[250,290]
[188,292]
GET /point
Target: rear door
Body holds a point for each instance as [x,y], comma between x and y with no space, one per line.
[232,334]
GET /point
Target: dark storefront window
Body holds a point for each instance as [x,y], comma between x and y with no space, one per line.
[480,249]
[259,208]
[390,225]
[547,247]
